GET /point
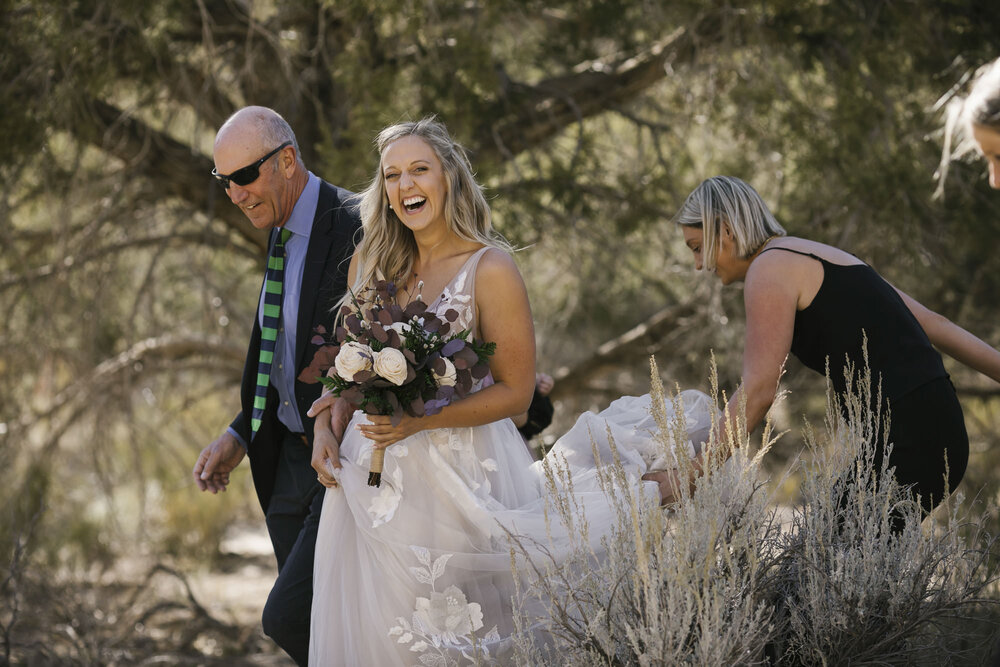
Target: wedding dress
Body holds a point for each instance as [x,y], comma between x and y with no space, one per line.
[418,571]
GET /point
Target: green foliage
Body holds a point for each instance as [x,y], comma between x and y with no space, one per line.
[128,282]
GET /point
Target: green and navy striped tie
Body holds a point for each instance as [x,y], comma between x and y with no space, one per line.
[273,281]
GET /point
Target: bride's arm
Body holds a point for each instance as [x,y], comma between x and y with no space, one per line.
[504,317]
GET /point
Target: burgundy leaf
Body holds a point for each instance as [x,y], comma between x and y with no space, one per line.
[352,395]
[310,375]
[451,314]
[468,355]
[363,376]
[452,347]
[320,329]
[415,308]
[417,406]
[325,356]
[464,380]
[385,317]
[412,358]
[379,333]
[353,324]
[397,313]
[394,339]
[479,371]
[341,334]
[439,366]
[432,324]
[317,340]
[397,409]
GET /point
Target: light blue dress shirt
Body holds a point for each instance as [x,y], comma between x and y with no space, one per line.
[283,367]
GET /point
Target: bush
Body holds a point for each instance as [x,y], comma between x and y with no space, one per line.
[855,575]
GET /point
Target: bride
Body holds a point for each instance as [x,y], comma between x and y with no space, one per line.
[418,571]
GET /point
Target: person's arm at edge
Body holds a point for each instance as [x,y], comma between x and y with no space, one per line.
[953,340]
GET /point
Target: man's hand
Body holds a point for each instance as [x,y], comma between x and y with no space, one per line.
[211,471]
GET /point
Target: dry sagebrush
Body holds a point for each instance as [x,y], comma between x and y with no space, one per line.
[855,577]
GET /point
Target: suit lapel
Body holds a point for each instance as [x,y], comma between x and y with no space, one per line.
[320,240]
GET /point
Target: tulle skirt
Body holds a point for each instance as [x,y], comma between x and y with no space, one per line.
[419,570]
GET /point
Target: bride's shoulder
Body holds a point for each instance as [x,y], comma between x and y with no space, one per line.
[496,264]
[498,278]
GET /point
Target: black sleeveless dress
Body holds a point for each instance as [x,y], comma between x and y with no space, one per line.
[856,308]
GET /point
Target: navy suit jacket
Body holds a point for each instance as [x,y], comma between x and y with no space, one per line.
[335,231]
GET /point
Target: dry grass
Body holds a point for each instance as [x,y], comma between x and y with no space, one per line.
[856,576]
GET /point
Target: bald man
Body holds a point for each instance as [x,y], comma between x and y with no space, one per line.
[257,163]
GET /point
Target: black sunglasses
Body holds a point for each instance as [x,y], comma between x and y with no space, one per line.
[247,174]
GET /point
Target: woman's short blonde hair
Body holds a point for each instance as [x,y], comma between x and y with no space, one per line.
[726,199]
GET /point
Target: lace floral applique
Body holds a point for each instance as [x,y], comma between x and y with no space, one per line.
[459,301]
[383,506]
[445,622]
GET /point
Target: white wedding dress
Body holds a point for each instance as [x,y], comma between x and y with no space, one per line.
[418,572]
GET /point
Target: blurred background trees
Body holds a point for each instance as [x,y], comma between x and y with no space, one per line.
[128,280]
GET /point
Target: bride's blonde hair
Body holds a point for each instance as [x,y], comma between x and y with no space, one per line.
[388,249]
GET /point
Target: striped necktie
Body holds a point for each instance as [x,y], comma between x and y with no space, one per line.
[273,281]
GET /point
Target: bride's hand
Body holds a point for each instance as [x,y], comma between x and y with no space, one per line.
[326,400]
[327,434]
[382,433]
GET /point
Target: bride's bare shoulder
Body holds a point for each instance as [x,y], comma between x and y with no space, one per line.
[497,264]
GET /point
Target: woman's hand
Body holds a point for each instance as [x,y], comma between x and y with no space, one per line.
[327,434]
[326,455]
[382,433]
[326,400]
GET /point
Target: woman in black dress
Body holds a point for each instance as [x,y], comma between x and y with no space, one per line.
[821,303]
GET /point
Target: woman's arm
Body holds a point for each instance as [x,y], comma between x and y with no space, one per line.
[770,296]
[504,317]
[955,341]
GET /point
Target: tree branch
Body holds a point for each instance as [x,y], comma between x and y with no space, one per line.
[69,263]
[548,107]
[177,169]
[635,343]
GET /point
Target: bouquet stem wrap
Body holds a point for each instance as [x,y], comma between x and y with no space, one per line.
[375,468]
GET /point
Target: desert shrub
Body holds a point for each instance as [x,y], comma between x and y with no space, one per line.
[851,574]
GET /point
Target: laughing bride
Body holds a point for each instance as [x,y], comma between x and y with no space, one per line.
[419,570]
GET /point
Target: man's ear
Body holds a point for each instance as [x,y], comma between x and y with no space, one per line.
[287,160]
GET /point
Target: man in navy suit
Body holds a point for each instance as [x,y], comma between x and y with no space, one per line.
[257,162]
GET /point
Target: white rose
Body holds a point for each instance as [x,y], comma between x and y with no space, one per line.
[353,358]
[449,378]
[399,327]
[391,364]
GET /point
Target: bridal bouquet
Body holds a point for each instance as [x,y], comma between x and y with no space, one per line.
[387,360]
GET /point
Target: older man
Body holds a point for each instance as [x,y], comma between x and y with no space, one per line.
[313,229]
